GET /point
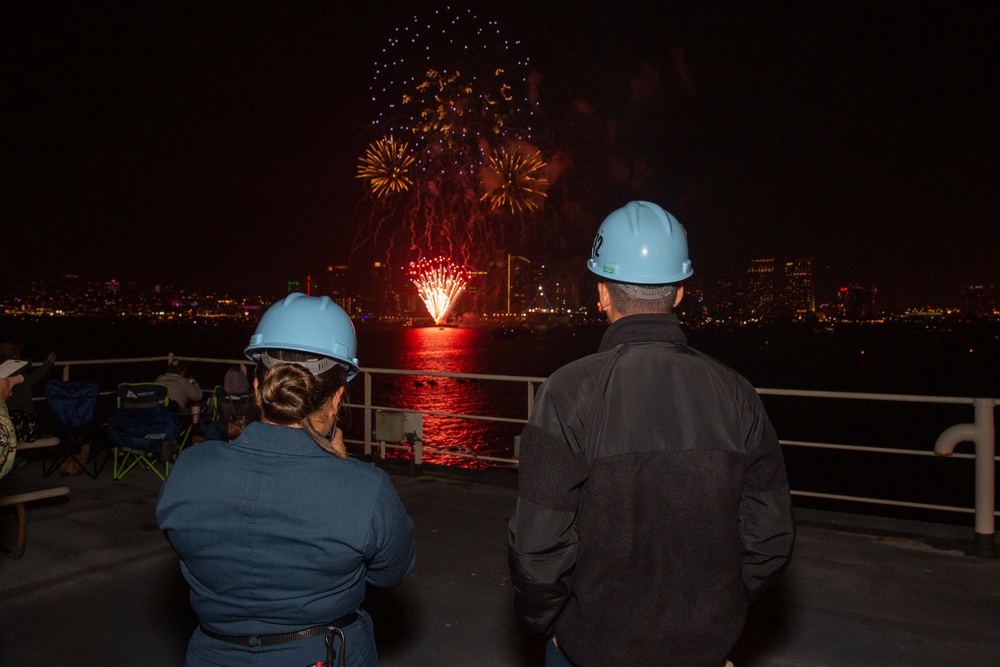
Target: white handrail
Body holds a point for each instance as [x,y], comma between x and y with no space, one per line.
[853,395]
[981,431]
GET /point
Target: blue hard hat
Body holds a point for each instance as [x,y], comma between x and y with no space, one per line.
[641,244]
[310,324]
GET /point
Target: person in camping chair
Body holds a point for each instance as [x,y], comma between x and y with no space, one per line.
[8,436]
[21,405]
[182,391]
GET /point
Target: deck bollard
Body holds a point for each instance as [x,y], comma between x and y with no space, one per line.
[982,434]
[418,454]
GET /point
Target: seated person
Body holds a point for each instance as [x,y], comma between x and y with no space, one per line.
[21,404]
[232,417]
[8,436]
[236,381]
[183,392]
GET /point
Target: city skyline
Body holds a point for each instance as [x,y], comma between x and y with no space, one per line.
[206,147]
[769,289]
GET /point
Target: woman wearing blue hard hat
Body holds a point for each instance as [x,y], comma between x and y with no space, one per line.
[279,531]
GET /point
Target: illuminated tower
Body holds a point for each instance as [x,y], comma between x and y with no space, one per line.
[761,288]
[523,283]
[383,298]
[335,285]
[477,278]
[798,295]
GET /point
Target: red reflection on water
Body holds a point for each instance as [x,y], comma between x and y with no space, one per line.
[452,350]
[440,349]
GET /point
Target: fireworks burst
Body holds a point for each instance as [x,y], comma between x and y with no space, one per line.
[386,166]
[439,283]
[520,185]
[450,75]
[463,177]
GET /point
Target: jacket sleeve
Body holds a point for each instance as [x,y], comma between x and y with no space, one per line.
[541,536]
[392,549]
[767,529]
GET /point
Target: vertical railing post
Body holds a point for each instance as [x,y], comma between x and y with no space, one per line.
[985,477]
[982,434]
[368,414]
[65,373]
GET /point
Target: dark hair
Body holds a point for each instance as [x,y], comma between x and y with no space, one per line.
[177,366]
[626,304]
[289,394]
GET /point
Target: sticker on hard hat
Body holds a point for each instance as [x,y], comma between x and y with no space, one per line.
[598,242]
[609,269]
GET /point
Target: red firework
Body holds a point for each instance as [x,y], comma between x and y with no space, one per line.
[439,283]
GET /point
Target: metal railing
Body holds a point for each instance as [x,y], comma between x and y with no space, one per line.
[980,432]
[417,446]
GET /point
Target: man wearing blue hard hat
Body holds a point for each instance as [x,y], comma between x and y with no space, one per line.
[653,504]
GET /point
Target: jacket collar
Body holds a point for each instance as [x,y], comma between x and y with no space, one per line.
[279,439]
[663,328]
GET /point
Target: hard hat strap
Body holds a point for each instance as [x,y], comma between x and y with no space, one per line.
[646,291]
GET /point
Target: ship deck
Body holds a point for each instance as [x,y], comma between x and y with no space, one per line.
[98,585]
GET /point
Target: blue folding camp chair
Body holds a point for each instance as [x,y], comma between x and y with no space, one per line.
[72,408]
[142,431]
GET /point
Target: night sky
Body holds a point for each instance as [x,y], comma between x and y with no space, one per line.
[217,146]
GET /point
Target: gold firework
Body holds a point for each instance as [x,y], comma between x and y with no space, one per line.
[386,167]
[520,184]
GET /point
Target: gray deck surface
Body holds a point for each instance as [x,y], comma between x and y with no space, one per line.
[98,585]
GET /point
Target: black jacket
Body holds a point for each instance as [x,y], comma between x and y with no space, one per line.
[653,503]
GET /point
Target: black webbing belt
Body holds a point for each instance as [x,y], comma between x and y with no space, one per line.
[271,640]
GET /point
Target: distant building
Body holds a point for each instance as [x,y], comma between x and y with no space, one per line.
[978,300]
[730,298]
[523,279]
[856,302]
[762,288]
[335,284]
[382,298]
[770,288]
[473,297]
[798,293]
[564,295]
